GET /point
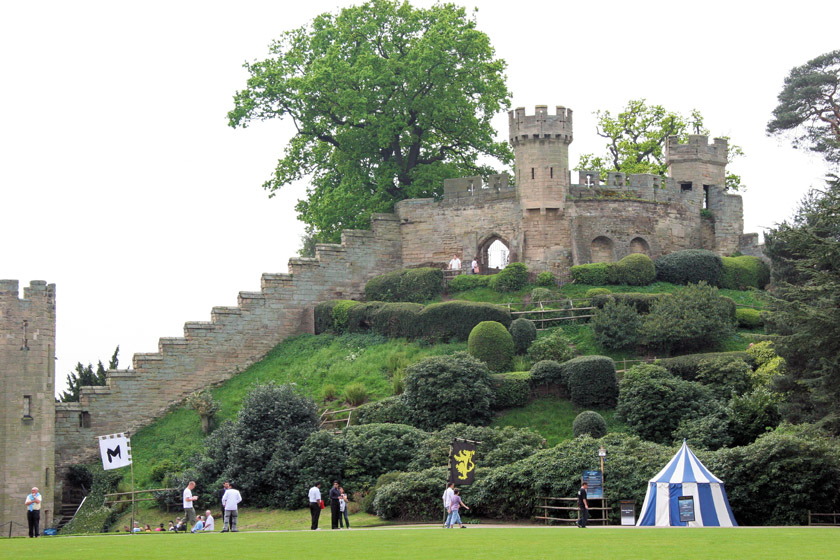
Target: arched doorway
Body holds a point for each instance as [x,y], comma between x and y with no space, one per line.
[639,245]
[601,250]
[493,254]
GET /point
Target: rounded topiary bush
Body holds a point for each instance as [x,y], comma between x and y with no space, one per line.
[491,343]
[513,277]
[553,346]
[591,293]
[690,267]
[595,274]
[409,284]
[591,381]
[616,325]
[547,374]
[635,270]
[589,423]
[546,279]
[748,318]
[524,332]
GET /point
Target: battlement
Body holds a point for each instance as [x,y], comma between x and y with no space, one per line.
[464,187]
[697,149]
[540,125]
[37,288]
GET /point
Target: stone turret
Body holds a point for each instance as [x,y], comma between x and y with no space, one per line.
[541,146]
[697,166]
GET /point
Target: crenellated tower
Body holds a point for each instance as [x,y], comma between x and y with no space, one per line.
[697,166]
[27,410]
[541,147]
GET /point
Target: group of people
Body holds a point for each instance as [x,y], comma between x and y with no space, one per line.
[203,523]
[230,505]
[338,506]
[452,504]
[455,264]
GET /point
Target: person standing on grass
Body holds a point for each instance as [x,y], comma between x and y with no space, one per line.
[315,505]
[230,503]
[33,513]
[343,507]
[335,504]
[189,510]
[583,504]
[447,500]
[455,509]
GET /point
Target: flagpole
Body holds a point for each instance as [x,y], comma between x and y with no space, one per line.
[131,529]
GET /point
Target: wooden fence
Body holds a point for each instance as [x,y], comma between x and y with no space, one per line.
[554,506]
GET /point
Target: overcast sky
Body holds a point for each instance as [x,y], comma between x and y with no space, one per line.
[121,182]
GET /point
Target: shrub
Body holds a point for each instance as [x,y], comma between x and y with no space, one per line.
[444,389]
[375,449]
[753,414]
[546,279]
[498,445]
[740,273]
[642,302]
[689,267]
[710,431]
[524,333]
[395,320]
[360,317]
[592,292]
[355,393]
[464,282]
[511,278]
[324,317]
[491,343]
[652,402]
[748,318]
[321,458]
[616,326]
[547,373]
[693,318]
[414,496]
[553,346]
[329,392]
[541,294]
[635,270]
[456,319]
[391,410]
[687,367]
[725,376]
[340,314]
[409,284]
[595,274]
[510,389]
[591,381]
[589,423]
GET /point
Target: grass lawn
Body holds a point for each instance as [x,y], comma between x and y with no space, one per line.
[422,543]
[552,419]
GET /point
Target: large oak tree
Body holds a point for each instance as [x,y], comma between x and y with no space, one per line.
[387,100]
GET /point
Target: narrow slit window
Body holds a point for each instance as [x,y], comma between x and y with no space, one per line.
[551,172]
[27,406]
[532,173]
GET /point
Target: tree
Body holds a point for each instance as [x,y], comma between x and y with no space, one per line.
[636,140]
[387,100]
[84,376]
[809,107]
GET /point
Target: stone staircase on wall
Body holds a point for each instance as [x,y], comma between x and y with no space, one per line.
[235,337]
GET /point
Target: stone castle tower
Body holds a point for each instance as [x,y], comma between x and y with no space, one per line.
[27,373]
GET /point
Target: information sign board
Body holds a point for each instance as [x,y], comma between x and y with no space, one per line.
[596,486]
[686,505]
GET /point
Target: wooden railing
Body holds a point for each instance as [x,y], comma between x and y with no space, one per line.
[545,313]
[336,425]
[817,519]
[549,507]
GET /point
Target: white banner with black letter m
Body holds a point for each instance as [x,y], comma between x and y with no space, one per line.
[115,450]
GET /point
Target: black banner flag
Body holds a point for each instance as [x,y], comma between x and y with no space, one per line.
[462,462]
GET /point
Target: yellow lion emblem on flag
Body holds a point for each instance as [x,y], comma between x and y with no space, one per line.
[464,463]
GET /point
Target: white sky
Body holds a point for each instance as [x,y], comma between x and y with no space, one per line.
[121,182]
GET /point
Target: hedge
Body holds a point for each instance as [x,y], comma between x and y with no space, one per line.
[748,318]
[546,279]
[323,316]
[456,319]
[491,343]
[464,282]
[524,332]
[595,274]
[687,366]
[513,277]
[642,302]
[548,374]
[408,284]
[690,267]
[510,390]
[634,270]
[740,273]
[395,320]
[591,381]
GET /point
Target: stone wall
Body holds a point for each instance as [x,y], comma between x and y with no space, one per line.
[27,411]
[235,337]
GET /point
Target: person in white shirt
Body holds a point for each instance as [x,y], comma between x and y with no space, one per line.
[447,501]
[189,510]
[230,503]
[209,521]
[455,263]
[33,513]
[315,504]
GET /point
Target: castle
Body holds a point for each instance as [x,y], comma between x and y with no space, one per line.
[545,221]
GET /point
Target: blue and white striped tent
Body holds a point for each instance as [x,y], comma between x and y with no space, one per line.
[685,475]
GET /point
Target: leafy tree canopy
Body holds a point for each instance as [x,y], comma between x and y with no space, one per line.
[84,376]
[636,139]
[809,106]
[387,101]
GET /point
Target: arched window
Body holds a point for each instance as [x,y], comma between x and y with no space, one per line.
[493,254]
[639,245]
[601,249]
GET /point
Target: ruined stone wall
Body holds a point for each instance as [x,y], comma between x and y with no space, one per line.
[235,337]
[27,410]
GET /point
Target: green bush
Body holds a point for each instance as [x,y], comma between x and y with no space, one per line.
[409,284]
[595,274]
[93,517]
[355,393]
[541,294]
[321,458]
[740,273]
[360,317]
[553,346]
[524,332]
[549,374]
[753,414]
[642,302]
[456,319]
[395,320]
[591,381]
[592,292]
[511,278]
[688,366]
[464,282]
[510,390]
[589,423]
[546,279]
[634,270]
[616,326]
[375,449]
[652,402]
[712,430]
[324,317]
[748,318]
[341,314]
[689,267]
[391,410]
[725,377]
[692,319]
[414,496]
[491,343]
[445,389]
[329,392]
